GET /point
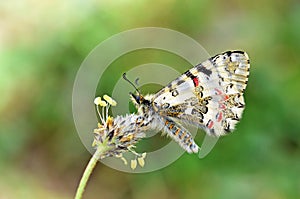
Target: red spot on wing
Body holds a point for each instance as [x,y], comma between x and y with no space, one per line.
[226,97]
[196,81]
[220,116]
[218,92]
[222,106]
[210,124]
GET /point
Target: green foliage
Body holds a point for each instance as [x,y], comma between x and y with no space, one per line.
[43,49]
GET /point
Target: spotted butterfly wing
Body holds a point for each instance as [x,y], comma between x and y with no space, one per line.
[209,96]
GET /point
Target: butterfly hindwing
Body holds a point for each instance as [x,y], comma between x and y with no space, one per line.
[210,95]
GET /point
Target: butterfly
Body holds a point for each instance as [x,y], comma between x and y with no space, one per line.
[208,96]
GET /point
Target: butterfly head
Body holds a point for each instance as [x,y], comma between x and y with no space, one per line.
[141,103]
[139,100]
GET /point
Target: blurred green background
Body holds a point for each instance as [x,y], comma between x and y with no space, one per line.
[43,43]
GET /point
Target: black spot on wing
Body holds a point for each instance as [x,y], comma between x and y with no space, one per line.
[189,74]
[237,51]
[228,53]
[174,92]
[200,68]
[193,77]
[165,105]
[212,60]
[197,113]
[180,82]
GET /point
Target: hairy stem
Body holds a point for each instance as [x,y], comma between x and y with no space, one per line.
[88,171]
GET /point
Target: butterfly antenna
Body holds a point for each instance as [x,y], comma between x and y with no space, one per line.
[124,77]
[137,81]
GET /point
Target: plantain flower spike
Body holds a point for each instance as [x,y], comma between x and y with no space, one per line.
[118,135]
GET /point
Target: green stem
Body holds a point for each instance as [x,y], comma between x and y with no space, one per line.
[88,171]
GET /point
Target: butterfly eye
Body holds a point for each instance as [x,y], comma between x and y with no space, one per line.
[137,98]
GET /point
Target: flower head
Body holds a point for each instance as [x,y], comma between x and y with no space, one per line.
[118,135]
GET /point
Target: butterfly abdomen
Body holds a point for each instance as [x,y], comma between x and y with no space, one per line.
[181,136]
